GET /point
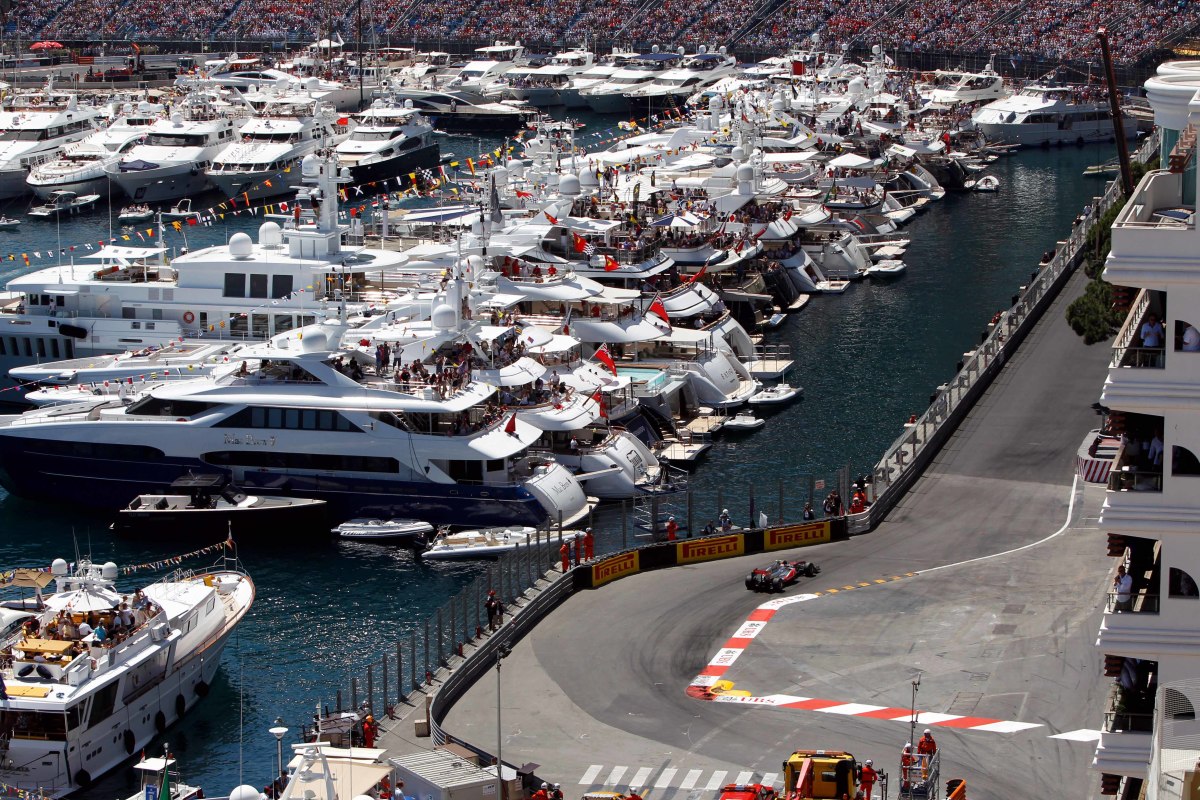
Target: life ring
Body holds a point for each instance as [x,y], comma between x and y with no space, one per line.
[180,705]
[130,741]
[189,317]
[160,722]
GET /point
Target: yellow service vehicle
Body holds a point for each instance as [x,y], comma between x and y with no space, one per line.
[820,775]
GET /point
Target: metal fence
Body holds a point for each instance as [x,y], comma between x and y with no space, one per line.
[414,661]
[922,439]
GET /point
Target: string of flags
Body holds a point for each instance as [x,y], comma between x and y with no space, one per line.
[24,794]
[174,561]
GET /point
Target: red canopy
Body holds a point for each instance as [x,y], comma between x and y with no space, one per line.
[46,46]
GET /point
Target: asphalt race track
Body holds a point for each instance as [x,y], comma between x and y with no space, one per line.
[597,694]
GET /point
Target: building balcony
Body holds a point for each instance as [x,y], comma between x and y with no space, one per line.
[1154,238]
[1125,738]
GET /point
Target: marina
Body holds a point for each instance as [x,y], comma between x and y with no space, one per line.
[599,364]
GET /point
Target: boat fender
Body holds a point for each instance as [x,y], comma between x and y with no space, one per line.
[129,741]
[202,689]
[160,722]
[189,317]
[94,664]
[25,671]
[180,705]
[83,778]
[45,673]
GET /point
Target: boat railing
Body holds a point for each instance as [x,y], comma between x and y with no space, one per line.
[904,460]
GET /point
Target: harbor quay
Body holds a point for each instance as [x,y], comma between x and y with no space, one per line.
[968,599]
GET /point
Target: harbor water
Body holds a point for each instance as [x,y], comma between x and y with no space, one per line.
[867,360]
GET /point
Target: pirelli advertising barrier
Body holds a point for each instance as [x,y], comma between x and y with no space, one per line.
[710,548]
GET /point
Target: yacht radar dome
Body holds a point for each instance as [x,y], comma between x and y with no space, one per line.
[177,119]
[443,317]
[269,234]
[745,173]
[568,186]
[310,167]
[244,792]
[240,245]
[109,571]
[312,84]
[59,568]
[738,153]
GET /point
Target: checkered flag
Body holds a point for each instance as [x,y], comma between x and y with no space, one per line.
[589,249]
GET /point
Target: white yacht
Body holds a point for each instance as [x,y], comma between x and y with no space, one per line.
[35,126]
[673,87]
[542,86]
[80,167]
[171,162]
[251,75]
[594,75]
[391,138]
[126,298]
[488,66]
[80,706]
[1043,114]
[297,416]
[950,86]
[286,127]
[612,96]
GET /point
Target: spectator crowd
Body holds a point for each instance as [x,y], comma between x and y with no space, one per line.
[1046,29]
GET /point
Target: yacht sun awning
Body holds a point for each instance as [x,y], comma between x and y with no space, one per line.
[118,252]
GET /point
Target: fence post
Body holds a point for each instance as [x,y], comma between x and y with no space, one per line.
[371,687]
[339,701]
[426,654]
[412,660]
[439,660]
[453,624]
[354,694]
[399,672]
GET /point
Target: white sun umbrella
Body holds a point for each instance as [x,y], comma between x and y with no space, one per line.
[851,161]
[532,335]
[89,598]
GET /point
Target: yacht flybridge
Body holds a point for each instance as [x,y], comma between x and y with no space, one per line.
[80,703]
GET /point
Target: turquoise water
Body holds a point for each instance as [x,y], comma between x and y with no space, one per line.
[867,360]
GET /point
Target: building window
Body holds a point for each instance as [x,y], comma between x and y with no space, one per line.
[1187,337]
[1180,584]
[1177,706]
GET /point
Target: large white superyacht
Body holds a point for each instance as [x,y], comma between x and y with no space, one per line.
[35,126]
[80,167]
[78,704]
[286,126]
[172,160]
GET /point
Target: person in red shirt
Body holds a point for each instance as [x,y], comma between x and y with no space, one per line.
[672,529]
[926,747]
[867,779]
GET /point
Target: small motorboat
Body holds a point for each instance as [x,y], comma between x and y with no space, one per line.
[211,506]
[64,202]
[988,183]
[744,421]
[887,268]
[7,223]
[775,395]
[135,214]
[482,543]
[775,320]
[408,532]
[182,210]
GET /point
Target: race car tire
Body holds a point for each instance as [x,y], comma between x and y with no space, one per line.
[811,570]
[750,583]
[777,585]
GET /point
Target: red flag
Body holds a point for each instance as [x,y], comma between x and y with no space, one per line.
[579,241]
[511,427]
[699,274]
[610,264]
[343,121]
[600,402]
[525,195]
[553,220]
[602,355]
[658,309]
[798,68]
[787,213]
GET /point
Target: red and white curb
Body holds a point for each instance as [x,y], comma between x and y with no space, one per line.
[702,685]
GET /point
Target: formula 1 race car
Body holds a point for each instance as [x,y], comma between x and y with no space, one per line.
[778,574]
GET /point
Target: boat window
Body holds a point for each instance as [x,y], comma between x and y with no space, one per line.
[361,135]
[73,717]
[102,703]
[258,285]
[110,452]
[39,725]
[409,144]
[151,406]
[388,418]
[235,284]
[311,461]
[281,286]
[275,418]
[176,140]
